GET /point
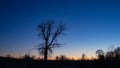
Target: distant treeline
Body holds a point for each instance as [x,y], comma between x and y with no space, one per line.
[110,55]
[31,63]
[109,59]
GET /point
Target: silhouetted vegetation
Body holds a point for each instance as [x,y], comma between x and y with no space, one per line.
[8,56]
[110,55]
[28,57]
[61,57]
[49,32]
[6,62]
[110,59]
[83,57]
[113,55]
[100,54]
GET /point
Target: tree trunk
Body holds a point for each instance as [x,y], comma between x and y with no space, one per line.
[46,53]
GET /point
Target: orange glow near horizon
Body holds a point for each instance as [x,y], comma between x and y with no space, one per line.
[53,57]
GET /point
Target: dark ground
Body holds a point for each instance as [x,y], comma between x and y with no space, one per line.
[29,63]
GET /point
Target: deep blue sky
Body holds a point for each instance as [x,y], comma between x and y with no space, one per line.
[94,24]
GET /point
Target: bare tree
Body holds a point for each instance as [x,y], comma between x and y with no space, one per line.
[49,33]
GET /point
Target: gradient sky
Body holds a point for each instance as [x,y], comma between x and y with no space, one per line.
[94,24]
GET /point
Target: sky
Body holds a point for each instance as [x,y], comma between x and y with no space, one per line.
[94,24]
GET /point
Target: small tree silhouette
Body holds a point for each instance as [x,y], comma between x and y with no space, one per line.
[100,54]
[62,57]
[8,56]
[83,56]
[49,33]
[28,57]
[57,58]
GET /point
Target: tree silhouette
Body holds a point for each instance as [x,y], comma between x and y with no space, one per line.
[100,54]
[57,58]
[61,57]
[49,33]
[28,57]
[115,54]
[109,55]
[83,56]
[8,56]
